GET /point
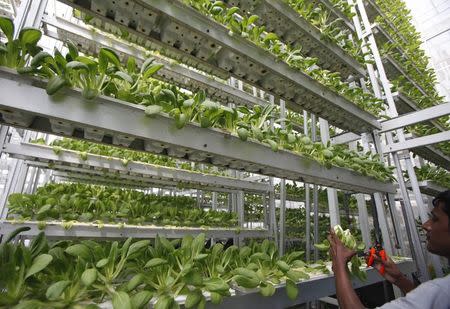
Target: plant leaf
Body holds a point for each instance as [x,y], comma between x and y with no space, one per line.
[152,70]
[56,289]
[89,276]
[121,300]
[7,26]
[140,299]
[155,262]
[291,289]
[29,36]
[79,250]
[39,263]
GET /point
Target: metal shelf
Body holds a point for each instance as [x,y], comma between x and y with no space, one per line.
[309,290]
[383,37]
[141,173]
[115,122]
[373,10]
[90,42]
[80,176]
[292,28]
[429,187]
[55,229]
[394,70]
[162,25]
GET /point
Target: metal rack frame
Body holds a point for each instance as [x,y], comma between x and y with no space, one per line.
[66,118]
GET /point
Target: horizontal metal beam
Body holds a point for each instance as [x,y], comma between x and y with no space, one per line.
[345,138]
[416,117]
[141,173]
[406,105]
[418,142]
[112,121]
[56,229]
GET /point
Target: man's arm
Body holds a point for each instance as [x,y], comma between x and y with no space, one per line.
[340,256]
[345,293]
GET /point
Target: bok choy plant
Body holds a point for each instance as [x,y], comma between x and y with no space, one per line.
[350,242]
[131,274]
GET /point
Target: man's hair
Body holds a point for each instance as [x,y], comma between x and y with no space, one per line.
[444,198]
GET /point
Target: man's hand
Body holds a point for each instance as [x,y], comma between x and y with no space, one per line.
[392,273]
[340,254]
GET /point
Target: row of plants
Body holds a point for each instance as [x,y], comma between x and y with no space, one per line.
[254,208]
[126,155]
[297,193]
[436,174]
[296,224]
[91,203]
[132,274]
[106,75]
[239,23]
[414,61]
[344,7]
[319,16]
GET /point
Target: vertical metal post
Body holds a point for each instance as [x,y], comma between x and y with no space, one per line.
[240,213]
[379,206]
[333,204]
[315,193]
[363,219]
[307,200]
[419,255]
[272,214]
[29,14]
[214,200]
[282,218]
[3,136]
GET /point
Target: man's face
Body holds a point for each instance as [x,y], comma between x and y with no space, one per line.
[438,235]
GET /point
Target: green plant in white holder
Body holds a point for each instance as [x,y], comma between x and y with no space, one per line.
[349,241]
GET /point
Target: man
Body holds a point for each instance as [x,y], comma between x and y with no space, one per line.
[432,294]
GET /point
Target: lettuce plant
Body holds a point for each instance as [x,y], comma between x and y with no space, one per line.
[15,53]
[88,203]
[350,242]
[132,273]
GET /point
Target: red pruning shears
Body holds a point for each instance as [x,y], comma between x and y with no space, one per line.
[379,251]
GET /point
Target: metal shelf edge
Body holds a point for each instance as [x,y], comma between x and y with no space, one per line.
[126,125]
